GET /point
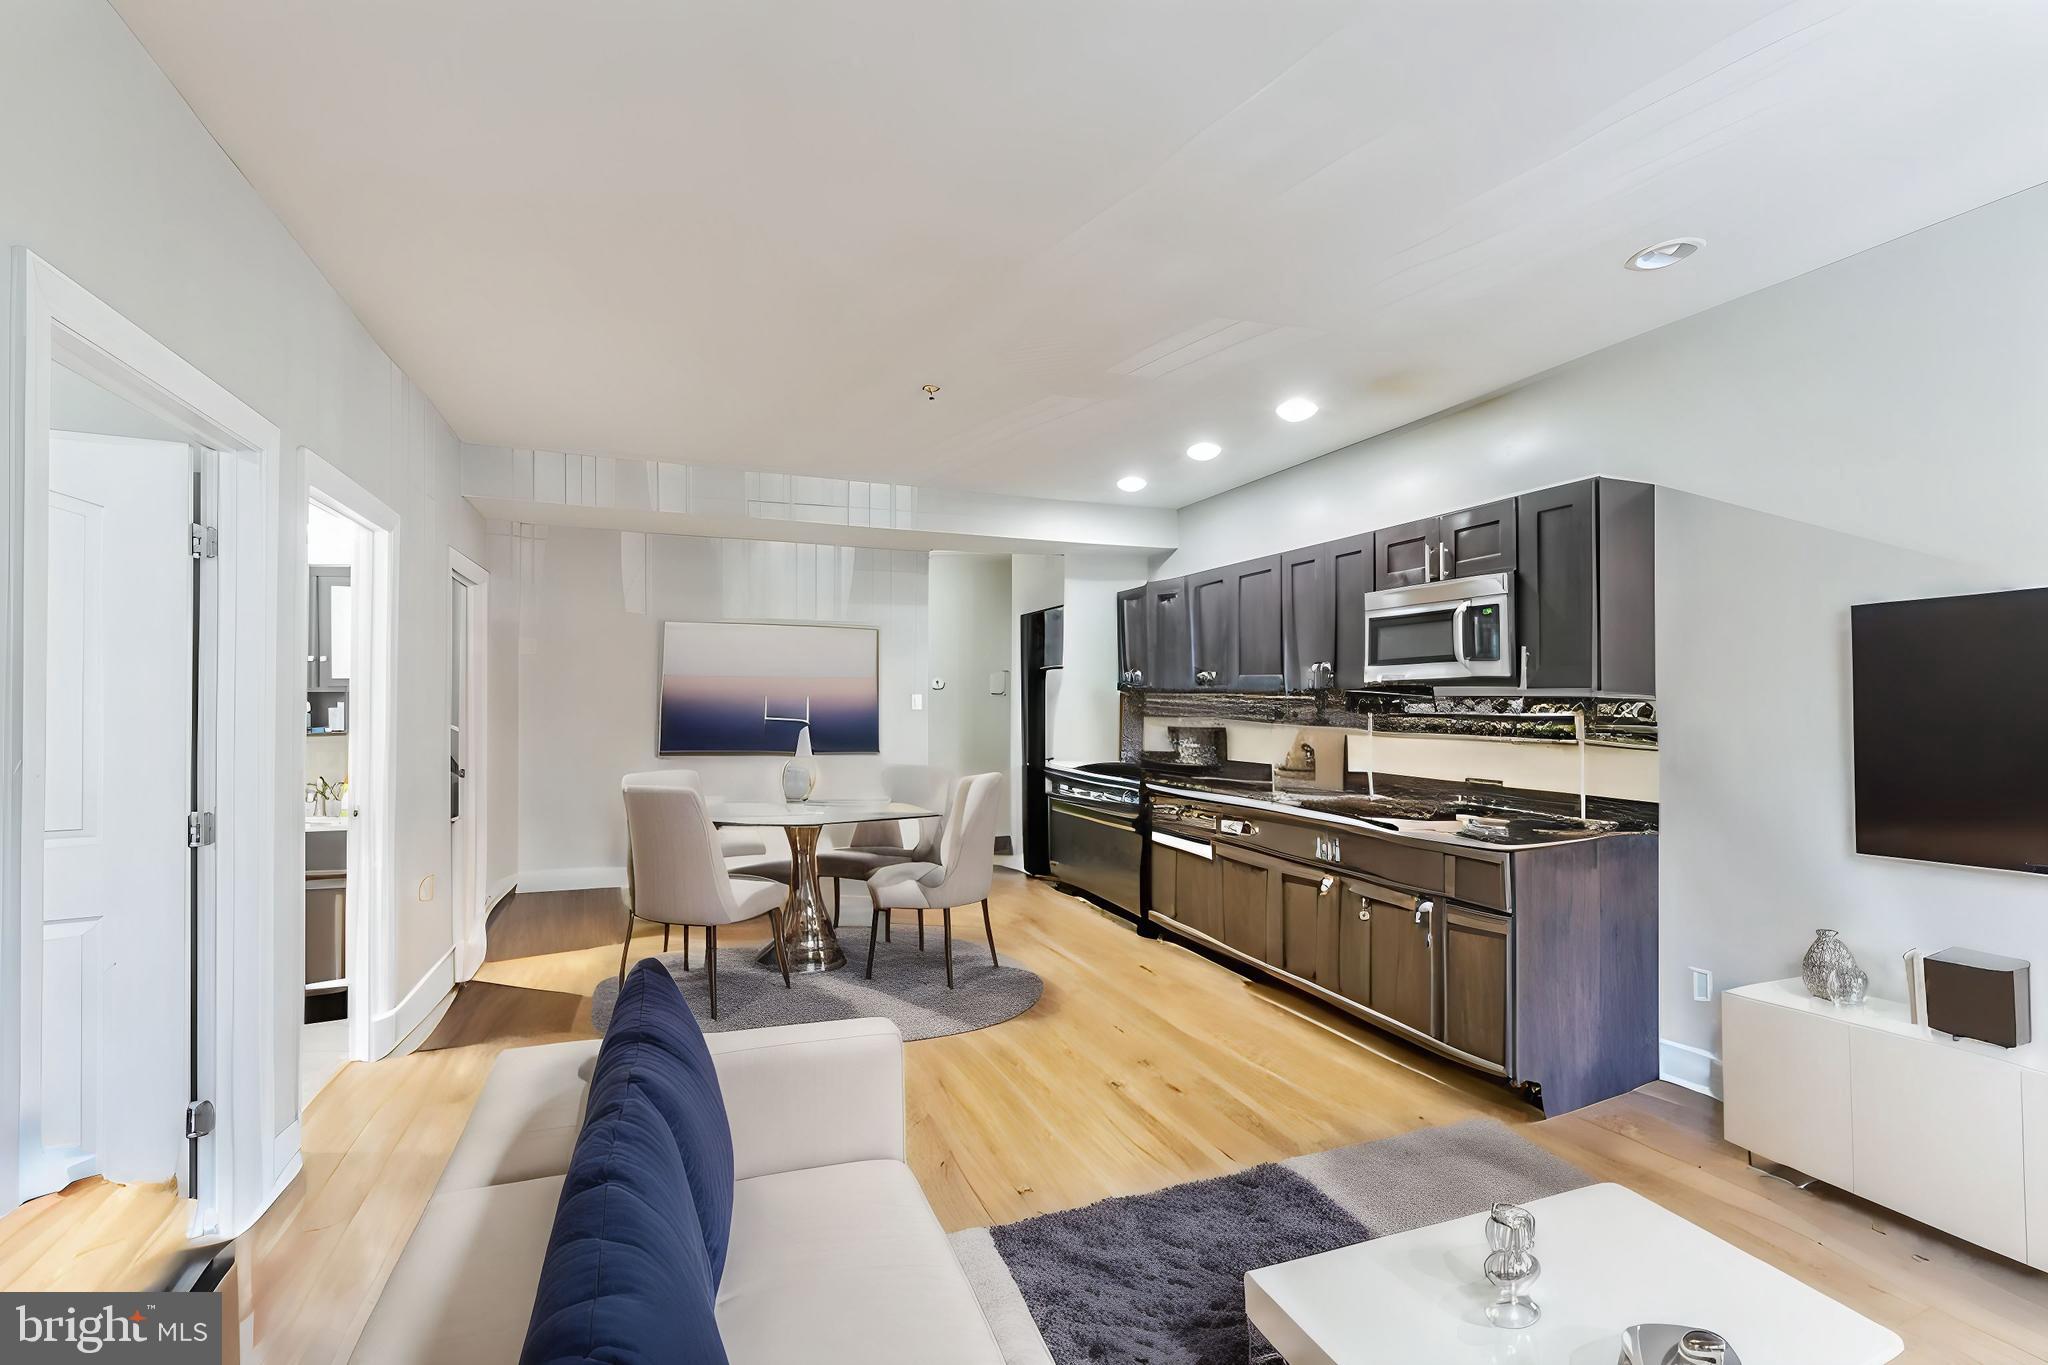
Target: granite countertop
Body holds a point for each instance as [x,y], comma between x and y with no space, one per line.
[1416,808]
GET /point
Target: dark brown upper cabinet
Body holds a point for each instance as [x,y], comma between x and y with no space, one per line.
[1212,621]
[1322,617]
[1131,660]
[1455,545]
[1169,661]
[1404,555]
[1583,557]
[1477,540]
[1586,599]
[1351,571]
[1234,613]
[1257,656]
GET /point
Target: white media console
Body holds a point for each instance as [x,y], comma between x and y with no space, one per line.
[1952,1133]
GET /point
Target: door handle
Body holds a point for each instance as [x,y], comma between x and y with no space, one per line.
[1365,914]
[1324,889]
[1525,668]
[1458,634]
[1240,827]
[1443,560]
[1206,678]
[1428,908]
[1425,563]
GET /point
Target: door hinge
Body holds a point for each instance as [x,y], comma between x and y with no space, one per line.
[199,1119]
[199,829]
[205,542]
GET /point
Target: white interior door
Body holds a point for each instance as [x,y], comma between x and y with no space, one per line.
[118,780]
[461,816]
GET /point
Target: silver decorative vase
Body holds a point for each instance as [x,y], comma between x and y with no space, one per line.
[800,774]
[1828,955]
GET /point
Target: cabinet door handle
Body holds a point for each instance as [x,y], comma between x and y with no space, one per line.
[1324,889]
[1525,668]
[1443,560]
[1237,827]
[1207,677]
[1425,563]
[1429,934]
[1365,914]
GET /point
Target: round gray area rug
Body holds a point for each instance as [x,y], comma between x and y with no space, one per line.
[909,988]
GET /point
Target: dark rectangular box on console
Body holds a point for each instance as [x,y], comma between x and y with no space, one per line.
[1979,995]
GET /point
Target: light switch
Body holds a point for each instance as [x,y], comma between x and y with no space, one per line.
[999,682]
[917,701]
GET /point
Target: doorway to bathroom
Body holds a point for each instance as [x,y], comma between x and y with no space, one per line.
[346,803]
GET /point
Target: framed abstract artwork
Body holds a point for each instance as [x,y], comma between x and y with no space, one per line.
[747,687]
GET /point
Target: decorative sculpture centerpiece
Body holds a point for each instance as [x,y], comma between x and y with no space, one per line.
[800,774]
[1512,1266]
[1830,972]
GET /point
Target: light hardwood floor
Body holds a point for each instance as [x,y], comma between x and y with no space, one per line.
[1143,1065]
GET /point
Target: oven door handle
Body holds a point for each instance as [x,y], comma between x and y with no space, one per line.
[1458,635]
[1069,809]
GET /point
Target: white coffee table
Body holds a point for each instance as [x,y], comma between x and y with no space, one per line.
[1610,1258]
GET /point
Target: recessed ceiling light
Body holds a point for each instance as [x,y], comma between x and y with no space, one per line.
[1204,450]
[1131,483]
[1296,410]
[1664,253]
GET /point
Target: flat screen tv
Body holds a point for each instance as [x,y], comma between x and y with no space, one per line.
[1951,729]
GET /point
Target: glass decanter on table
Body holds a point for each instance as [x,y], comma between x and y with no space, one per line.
[1511,1266]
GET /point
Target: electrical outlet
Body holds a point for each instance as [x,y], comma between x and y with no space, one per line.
[1702,984]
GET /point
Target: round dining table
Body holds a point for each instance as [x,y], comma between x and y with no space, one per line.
[807,937]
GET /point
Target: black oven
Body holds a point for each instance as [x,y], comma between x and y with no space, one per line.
[1094,842]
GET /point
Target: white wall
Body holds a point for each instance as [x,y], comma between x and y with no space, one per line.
[1758,818]
[107,175]
[969,727]
[1084,724]
[589,658]
[1894,399]
[1895,395]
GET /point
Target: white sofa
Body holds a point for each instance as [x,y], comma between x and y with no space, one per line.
[835,1256]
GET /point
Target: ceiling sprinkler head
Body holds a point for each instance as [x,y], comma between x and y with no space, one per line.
[931,393]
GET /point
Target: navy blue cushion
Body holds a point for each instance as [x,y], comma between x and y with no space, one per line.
[654,1037]
[626,1280]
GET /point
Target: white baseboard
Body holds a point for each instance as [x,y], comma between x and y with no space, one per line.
[1692,1067]
[500,889]
[387,1028]
[571,878]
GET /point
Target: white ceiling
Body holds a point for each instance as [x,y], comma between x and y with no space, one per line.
[746,233]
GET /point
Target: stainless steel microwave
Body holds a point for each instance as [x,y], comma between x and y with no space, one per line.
[1448,631]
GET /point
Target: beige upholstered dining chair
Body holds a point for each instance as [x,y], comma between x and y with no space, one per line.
[677,874]
[875,844]
[745,850]
[961,876]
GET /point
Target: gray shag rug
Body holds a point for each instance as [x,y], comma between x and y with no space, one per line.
[1158,1279]
[909,986]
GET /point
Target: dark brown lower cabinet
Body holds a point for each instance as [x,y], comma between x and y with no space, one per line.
[1246,888]
[1355,910]
[1184,888]
[1404,964]
[1476,983]
[1162,865]
[1308,925]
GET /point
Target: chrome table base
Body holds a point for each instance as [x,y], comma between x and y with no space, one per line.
[807,936]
